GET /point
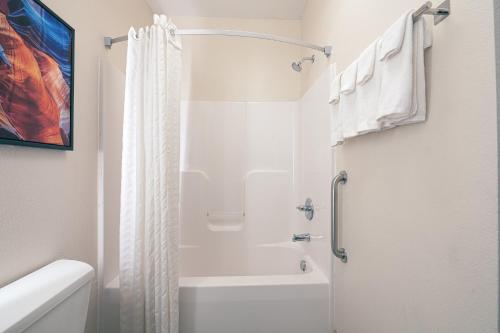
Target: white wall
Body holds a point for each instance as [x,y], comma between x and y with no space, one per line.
[237,176]
[48,202]
[420,219]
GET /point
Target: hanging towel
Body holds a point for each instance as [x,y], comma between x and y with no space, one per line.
[421,41]
[397,72]
[366,64]
[336,136]
[347,105]
[368,89]
[335,89]
[412,97]
[393,39]
[348,82]
[428,37]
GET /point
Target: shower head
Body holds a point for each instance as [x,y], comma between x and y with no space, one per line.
[297,66]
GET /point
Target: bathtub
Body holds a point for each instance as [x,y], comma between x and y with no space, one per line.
[265,291]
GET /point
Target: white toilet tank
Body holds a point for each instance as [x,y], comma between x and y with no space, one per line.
[54,299]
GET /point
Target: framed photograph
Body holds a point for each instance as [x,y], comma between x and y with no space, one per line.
[36,76]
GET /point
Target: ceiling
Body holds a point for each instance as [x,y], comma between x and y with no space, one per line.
[259,9]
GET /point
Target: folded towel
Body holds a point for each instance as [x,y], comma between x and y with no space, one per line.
[392,40]
[367,95]
[335,89]
[366,63]
[421,41]
[428,37]
[397,72]
[348,82]
[386,93]
[336,136]
[348,99]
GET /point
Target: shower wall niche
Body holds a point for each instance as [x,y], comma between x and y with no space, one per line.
[237,169]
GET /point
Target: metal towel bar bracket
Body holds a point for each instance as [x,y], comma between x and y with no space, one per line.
[341,178]
[441,12]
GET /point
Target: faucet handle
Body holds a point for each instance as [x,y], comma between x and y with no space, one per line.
[307,208]
[303,208]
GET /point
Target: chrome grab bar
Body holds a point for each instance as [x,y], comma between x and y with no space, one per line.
[341,178]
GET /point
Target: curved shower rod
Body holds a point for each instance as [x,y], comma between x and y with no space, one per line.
[326,50]
[440,13]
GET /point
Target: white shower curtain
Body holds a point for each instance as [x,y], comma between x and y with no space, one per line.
[149,216]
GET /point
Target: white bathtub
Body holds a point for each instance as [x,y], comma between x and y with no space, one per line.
[264,291]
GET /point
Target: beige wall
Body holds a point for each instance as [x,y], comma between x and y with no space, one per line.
[48,201]
[239,69]
[420,207]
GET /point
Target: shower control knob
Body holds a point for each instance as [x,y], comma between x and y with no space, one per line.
[307,208]
[303,208]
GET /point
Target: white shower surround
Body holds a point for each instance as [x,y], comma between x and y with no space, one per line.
[242,274]
[237,176]
[245,276]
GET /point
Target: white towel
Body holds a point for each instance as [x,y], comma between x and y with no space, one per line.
[428,37]
[335,89]
[367,93]
[421,41]
[347,105]
[388,92]
[366,63]
[348,82]
[336,136]
[392,40]
[396,87]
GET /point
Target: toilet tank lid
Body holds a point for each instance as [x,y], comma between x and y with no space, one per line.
[28,299]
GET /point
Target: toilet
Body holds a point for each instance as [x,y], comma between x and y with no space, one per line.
[52,299]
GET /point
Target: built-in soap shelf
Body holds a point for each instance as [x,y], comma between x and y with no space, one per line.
[231,218]
[225,216]
[225,221]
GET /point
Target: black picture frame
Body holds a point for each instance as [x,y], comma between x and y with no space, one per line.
[70,146]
